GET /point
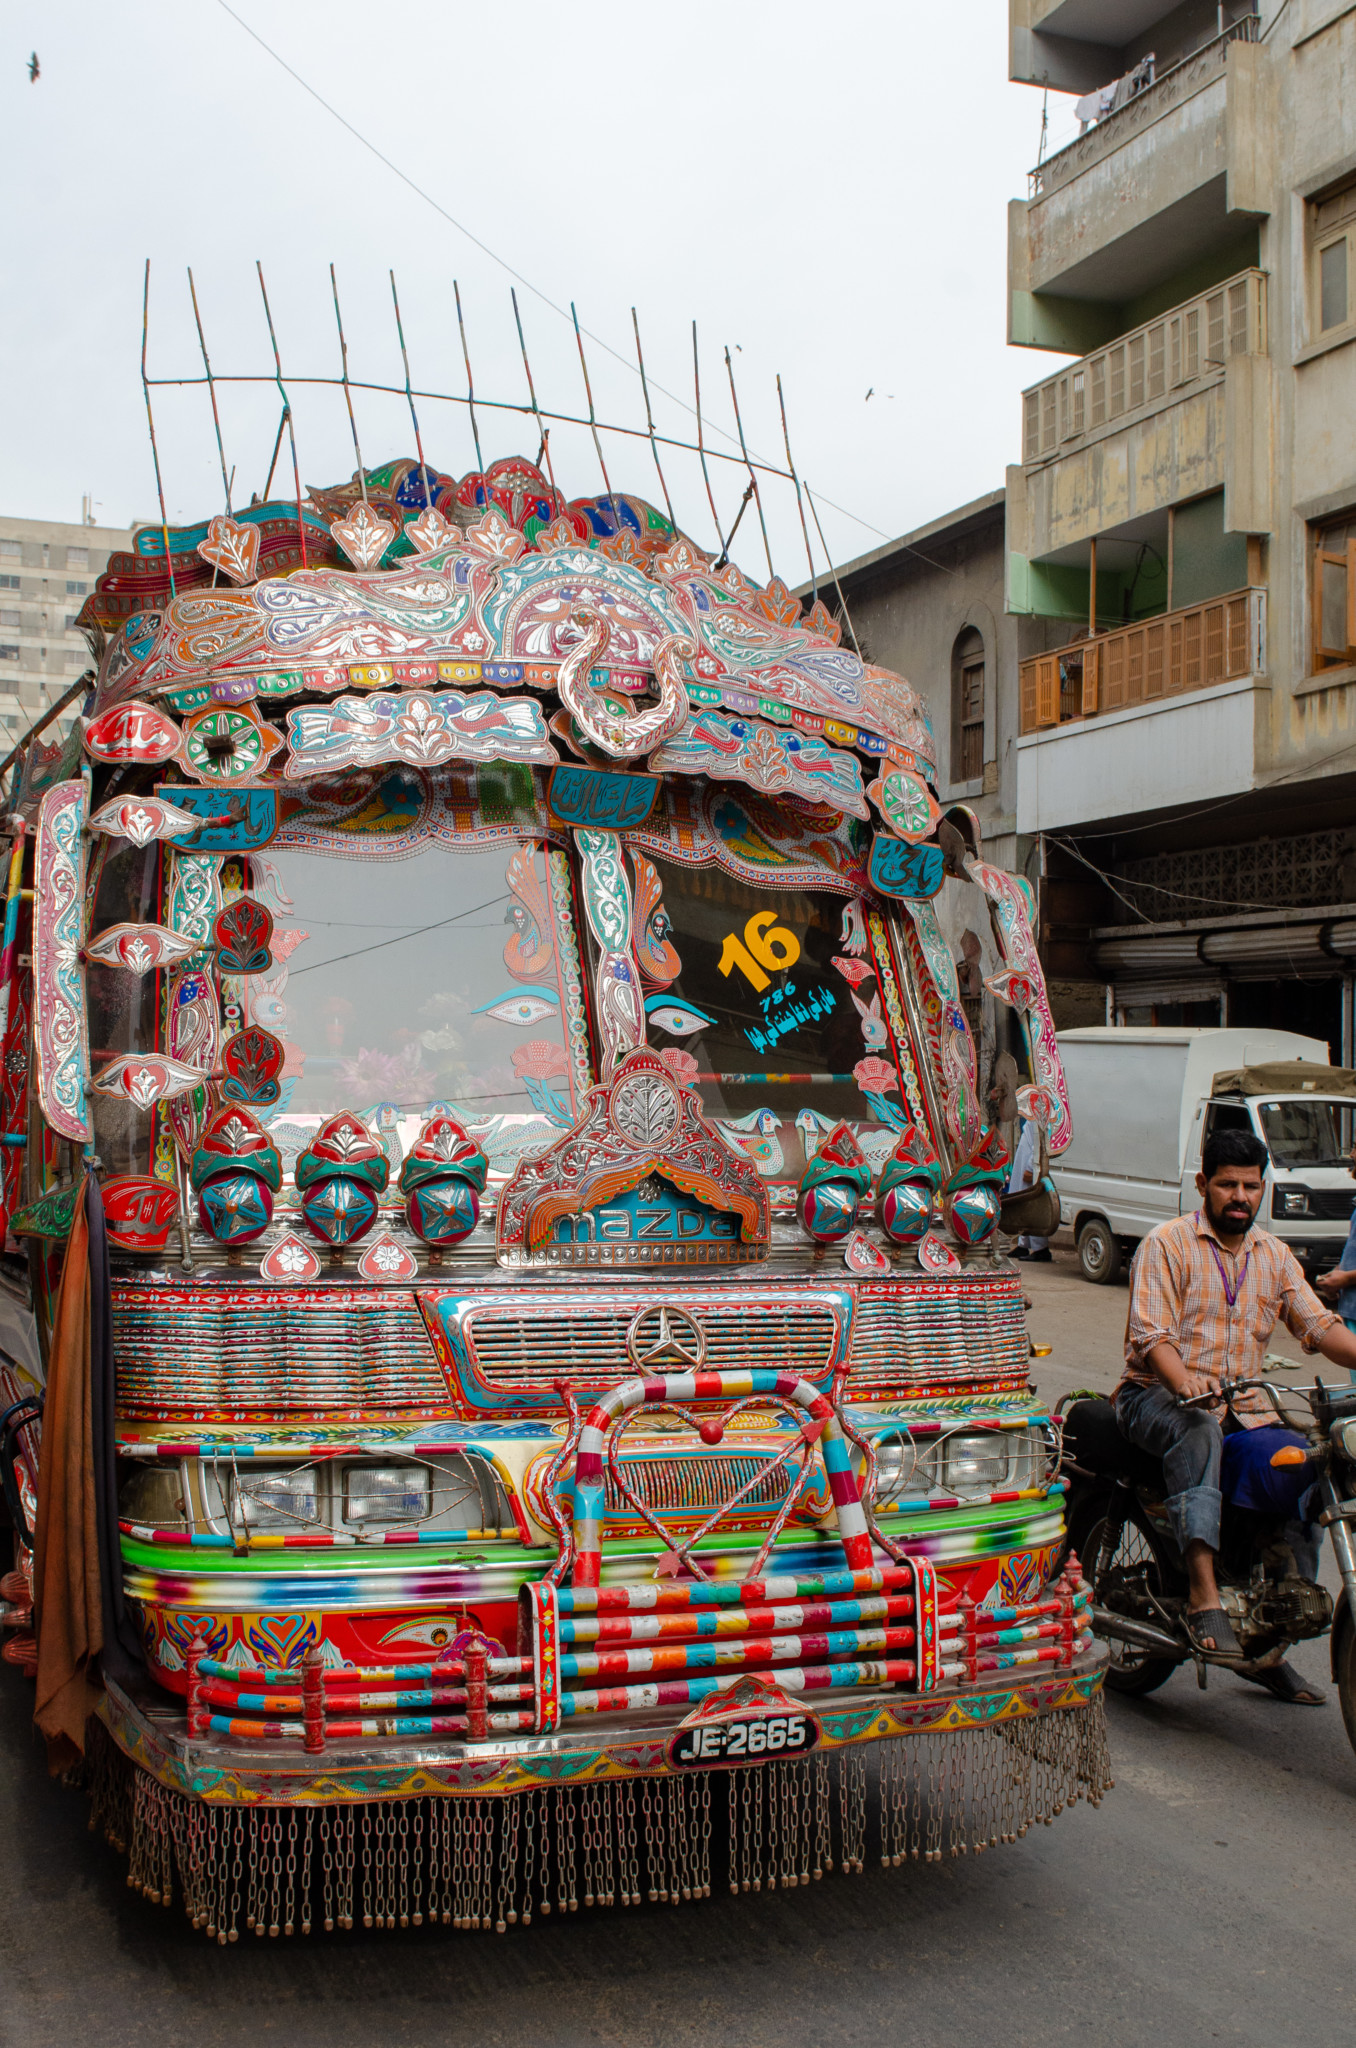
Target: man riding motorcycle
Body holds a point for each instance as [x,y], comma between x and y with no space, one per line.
[1206,1293]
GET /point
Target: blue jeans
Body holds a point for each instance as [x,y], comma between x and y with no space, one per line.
[1191,1445]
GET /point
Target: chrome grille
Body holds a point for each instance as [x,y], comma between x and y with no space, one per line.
[186,1350]
[913,1332]
[516,1353]
[688,1485]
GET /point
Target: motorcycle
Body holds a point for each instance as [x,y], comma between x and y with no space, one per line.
[1120,1529]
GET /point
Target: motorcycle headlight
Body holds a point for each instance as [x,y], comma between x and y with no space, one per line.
[275,1500]
[386,1493]
[1344,1436]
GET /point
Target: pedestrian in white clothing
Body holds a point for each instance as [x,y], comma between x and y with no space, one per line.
[1023,1176]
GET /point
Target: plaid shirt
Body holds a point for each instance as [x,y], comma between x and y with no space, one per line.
[1177,1296]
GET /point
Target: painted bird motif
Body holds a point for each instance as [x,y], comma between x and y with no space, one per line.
[756,1136]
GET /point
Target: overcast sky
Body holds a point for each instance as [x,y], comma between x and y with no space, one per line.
[822,188]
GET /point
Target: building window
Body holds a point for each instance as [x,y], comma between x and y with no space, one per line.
[967,713]
[11,551]
[1333,599]
[9,582]
[8,618]
[1332,228]
[71,620]
[8,652]
[76,589]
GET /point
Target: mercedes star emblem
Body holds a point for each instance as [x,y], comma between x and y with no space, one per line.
[665,1337]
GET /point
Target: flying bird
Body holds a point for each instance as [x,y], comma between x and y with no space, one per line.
[34,69]
[869,395]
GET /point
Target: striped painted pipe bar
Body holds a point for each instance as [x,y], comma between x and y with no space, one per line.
[687,1387]
[305,1539]
[416,1724]
[687,1692]
[363,1674]
[547,1609]
[747,1621]
[219,1695]
[651,1597]
[762,1652]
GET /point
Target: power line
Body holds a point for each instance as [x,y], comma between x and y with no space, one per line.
[400,937]
[484,246]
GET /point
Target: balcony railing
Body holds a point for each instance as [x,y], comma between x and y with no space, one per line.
[1169,358]
[1171,87]
[1159,658]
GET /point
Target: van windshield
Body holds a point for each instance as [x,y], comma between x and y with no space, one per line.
[1307,1133]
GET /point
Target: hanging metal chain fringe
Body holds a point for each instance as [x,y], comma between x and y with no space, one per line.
[490,1863]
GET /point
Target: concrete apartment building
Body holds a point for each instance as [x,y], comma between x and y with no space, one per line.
[47,569]
[1181,529]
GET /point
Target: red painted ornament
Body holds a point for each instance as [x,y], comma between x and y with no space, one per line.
[132,732]
[385,1259]
[251,1062]
[241,934]
[138,1212]
[289,1261]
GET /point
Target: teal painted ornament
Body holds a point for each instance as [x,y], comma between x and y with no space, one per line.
[235,1172]
[832,1186]
[339,1178]
[829,1210]
[905,1210]
[443,1212]
[972,1212]
[235,1208]
[338,1210]
[907,1187]
[442,1181]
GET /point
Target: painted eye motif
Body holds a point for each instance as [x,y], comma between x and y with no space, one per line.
[523,1006]
[680,1020]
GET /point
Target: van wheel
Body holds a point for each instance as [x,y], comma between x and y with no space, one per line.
[1099,1252]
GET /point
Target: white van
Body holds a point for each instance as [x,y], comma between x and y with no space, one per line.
[1144,1101]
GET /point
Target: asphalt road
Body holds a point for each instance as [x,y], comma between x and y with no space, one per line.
[1211,1898]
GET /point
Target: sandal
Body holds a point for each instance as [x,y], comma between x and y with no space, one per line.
[1211,1632]
[1285,1682]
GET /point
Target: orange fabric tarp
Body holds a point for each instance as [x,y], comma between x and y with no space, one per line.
[66,1585]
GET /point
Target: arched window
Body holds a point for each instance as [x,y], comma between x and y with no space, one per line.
[967,706]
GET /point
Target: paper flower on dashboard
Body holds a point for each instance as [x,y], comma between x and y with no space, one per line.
[538,1060]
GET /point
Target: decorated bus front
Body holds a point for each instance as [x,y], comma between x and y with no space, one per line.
[498,1048]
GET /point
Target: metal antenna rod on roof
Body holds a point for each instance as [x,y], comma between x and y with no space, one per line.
[701,445]
[847,616]
[150,422]
[543,433]
[212,394]
[272,460]
[593,423]
[649,423]
[287,409]
[470,386]
[744,451]
[409,397]
[348,395]
[786,438]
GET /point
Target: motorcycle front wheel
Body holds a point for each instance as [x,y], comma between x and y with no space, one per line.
[1136,1555]
[1344,1671]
